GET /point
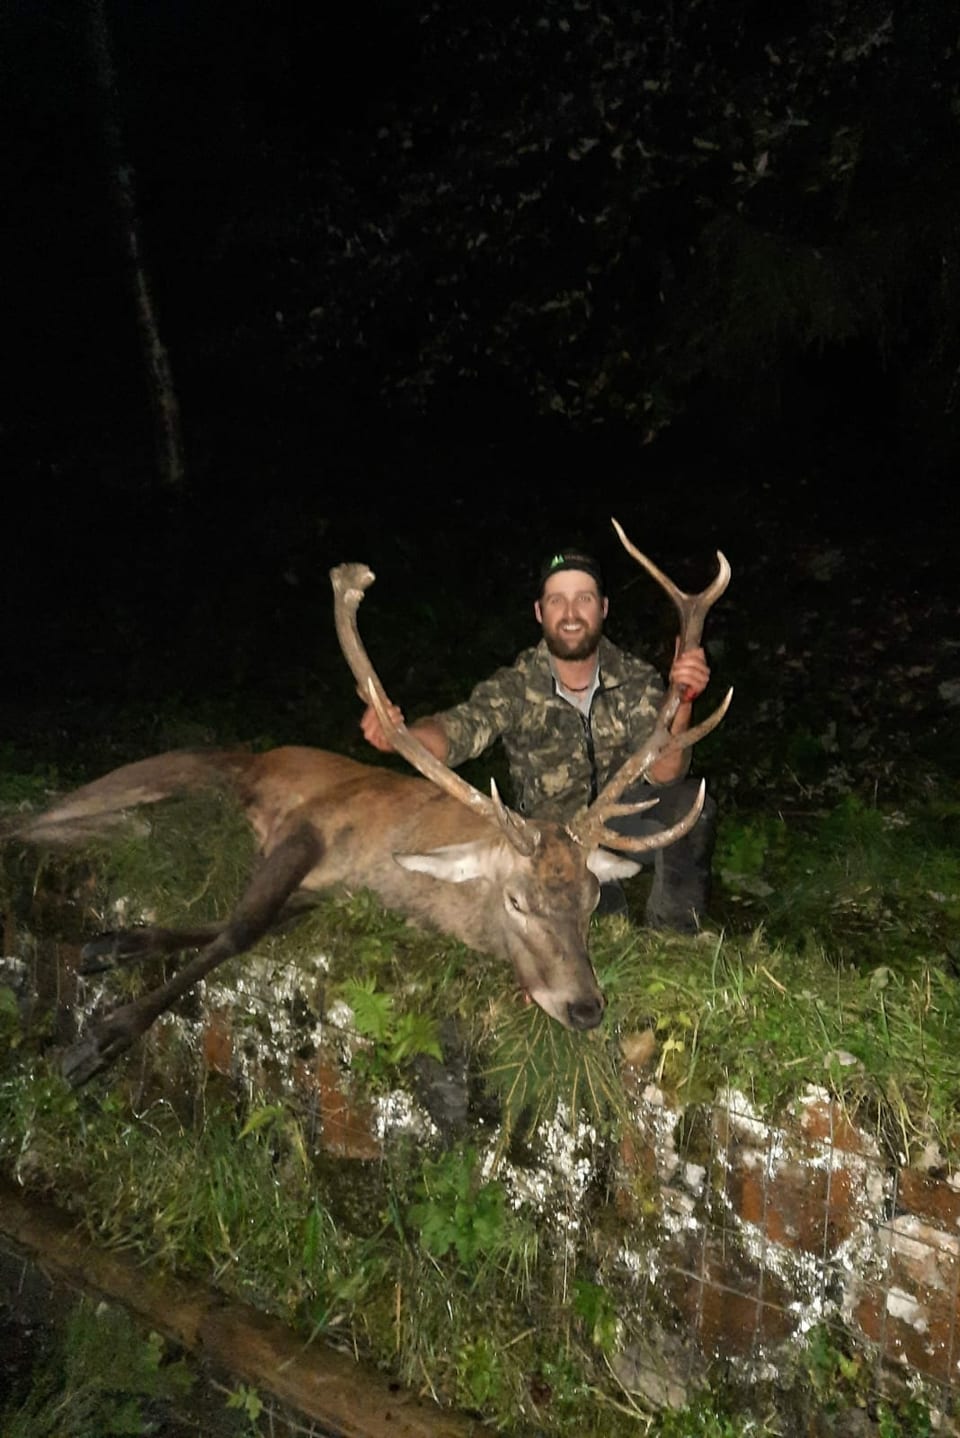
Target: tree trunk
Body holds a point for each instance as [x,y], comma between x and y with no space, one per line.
[168,445]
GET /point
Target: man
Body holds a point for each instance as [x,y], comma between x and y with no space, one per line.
[569,712]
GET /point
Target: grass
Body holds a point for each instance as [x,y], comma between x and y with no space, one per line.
[869,885]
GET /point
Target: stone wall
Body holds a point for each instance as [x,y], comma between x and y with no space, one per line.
[748,1232]
[754,1232]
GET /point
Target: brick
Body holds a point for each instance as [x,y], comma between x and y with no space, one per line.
[907,1331]
[217,1042]
[346,1125]
[795,1205]
[733,1305]
[922,1258]
[934,1200]
[823,1121]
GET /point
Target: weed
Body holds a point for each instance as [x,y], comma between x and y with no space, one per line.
[834,975]
[479,1375]
[841,1380]
[395,1038]
[598,1311]
[105,1377]
[868,886]
[457,1210]
[537,1068]
[24,783]
[248,1402]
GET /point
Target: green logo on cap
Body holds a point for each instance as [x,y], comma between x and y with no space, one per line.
[557,559]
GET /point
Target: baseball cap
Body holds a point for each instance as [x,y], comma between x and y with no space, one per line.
[570,559]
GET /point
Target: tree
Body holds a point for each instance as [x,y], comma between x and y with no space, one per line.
[606,204]
[168,446]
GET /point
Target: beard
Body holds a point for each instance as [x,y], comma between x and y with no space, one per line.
[573,646]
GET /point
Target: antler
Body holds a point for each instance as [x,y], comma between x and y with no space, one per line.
[591,826]
[350,582]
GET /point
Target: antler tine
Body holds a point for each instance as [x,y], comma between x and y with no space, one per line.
[684,602]
[350,583]
[415,753]
[660,743]
[642,844]
[592,822]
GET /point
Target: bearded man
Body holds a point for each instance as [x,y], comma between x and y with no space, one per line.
[569,713]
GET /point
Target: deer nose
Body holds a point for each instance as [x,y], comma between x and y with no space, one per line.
[585,1013]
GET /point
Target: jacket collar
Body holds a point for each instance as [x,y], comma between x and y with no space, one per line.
[611,667]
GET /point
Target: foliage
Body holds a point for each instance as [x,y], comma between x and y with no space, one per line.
[868,885]
[608,205]
[480,1303]
[840,1380]
[190,863]
[835,970]
[457,1210]
[105,1378]
[248,1401]
[480,1380]
[396,1038]
[537,1068]
[598,1311]
[24,782]
[824,1382]
[704,1418]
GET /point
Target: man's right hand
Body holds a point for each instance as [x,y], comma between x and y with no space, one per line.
[373,729]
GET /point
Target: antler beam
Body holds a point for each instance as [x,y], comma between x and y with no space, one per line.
[692,609]
[350,583]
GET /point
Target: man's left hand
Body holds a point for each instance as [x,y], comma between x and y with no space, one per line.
[691,672]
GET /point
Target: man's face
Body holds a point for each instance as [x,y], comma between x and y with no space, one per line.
[571,614]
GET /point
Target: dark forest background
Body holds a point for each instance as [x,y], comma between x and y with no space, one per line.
[443,286]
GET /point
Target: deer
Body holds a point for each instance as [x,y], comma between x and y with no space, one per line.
[434,848]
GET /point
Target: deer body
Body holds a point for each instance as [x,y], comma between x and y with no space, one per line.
[433,848]
[417,848]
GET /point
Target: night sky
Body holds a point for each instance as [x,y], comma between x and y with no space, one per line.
[441,288]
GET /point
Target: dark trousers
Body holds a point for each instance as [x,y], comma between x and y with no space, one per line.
[681,871]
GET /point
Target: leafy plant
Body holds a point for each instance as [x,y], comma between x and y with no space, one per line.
[479,1372]
[705,1417]
[869,885]
[103,1379]
[594,1305]
[396,1037]
[458,1210]
[536,1068]
[841,1379]
[248,1402]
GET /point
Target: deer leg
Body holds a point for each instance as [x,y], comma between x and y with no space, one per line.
[122,947]
[280,875]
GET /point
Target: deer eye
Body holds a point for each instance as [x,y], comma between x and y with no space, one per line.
[515,903]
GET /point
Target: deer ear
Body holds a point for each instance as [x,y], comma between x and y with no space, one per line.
[607,865]
[454,862]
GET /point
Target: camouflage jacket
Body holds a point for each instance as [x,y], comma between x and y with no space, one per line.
[558,757]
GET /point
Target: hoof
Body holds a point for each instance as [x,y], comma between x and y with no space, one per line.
[100,1047]
[82,1061]
[113,950]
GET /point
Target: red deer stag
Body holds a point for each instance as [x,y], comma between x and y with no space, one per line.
[434,848]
